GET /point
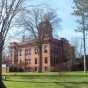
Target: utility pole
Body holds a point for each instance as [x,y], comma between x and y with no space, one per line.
[84,41]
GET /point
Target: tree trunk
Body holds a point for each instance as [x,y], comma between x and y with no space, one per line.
[1,82]
[0,63]
[40,58]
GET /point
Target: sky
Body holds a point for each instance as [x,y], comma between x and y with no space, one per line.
[64,11]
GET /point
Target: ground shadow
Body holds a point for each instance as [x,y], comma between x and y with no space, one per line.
[58,82]
[2,85]
[71,84]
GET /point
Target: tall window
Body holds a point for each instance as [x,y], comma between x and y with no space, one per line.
[46,60]
[45,49]
[28,51]
[36,69]
[20,52]
[35,60]
[46,68]
[56,60]
[28,61]
[36,50]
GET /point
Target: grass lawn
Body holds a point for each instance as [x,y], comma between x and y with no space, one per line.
[47,80]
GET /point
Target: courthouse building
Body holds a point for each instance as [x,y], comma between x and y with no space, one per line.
[56,53]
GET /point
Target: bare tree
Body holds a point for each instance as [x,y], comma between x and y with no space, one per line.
[81,10]
[77,43]
[33,23]
[8,10]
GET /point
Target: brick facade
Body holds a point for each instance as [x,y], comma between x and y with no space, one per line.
[25,54]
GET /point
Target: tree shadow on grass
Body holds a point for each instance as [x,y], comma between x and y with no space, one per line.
[71,84]
[2,85]
[56,82]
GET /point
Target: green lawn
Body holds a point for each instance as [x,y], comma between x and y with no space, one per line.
[47,80]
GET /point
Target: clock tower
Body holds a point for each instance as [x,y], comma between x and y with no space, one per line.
[45,30]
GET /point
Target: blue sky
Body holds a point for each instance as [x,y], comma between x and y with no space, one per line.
[64,10]
[68,25]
